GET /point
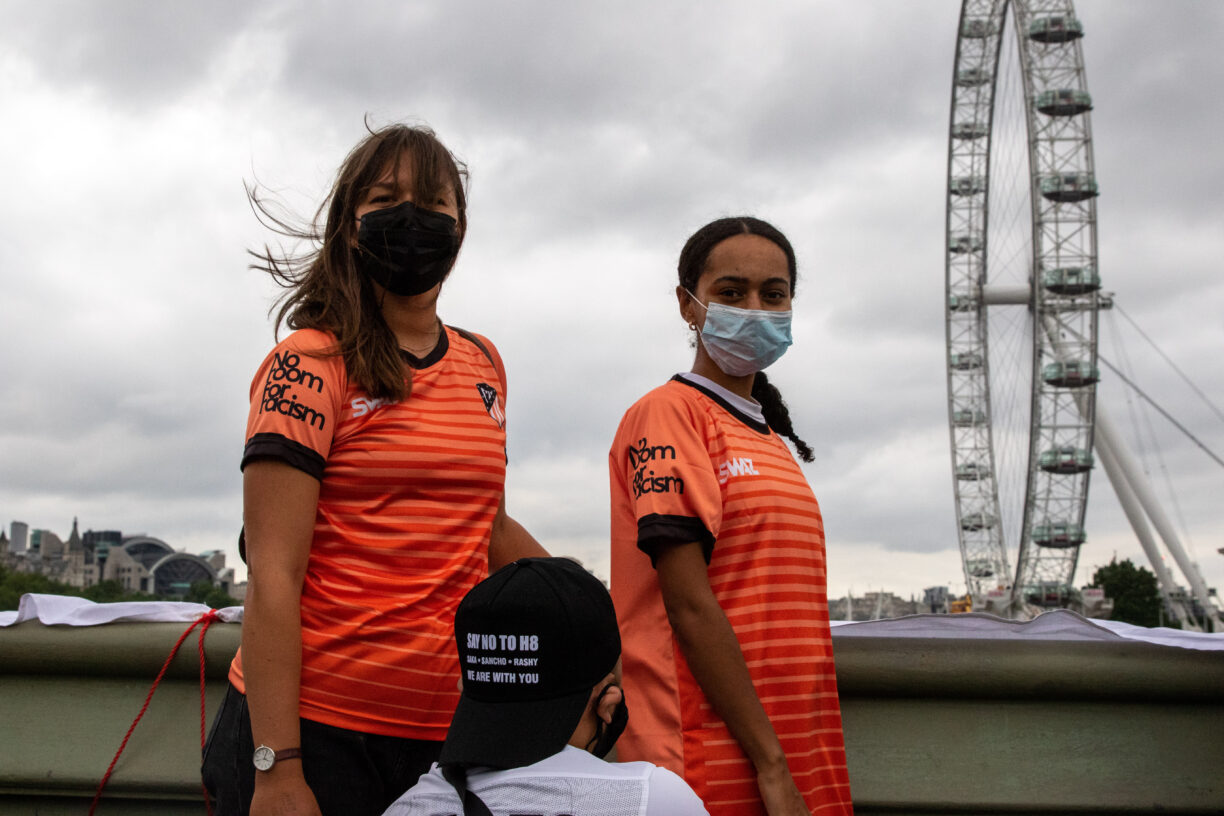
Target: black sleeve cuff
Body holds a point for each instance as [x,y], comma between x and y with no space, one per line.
[284,449]
[656,531]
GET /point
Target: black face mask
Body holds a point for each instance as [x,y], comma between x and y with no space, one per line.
[405,249]
[606,737]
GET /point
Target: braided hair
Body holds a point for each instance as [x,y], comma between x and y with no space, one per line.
[692,263]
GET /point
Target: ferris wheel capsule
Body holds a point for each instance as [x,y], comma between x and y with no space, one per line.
[1055,28]
[1070,374]
[973,471]
[1063,102]
[1079,280]
[969,130]
[972,77]
[1065,459]
[1067,187]
[1058,534]
[979,28]
[967,185]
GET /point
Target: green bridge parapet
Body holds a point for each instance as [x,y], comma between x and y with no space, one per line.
[934,725]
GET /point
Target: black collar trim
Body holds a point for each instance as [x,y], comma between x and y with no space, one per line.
[759,427]
[439,351]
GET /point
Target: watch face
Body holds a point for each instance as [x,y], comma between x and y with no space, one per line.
[264,757]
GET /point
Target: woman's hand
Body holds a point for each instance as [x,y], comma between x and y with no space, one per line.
[284,792]
[779,793]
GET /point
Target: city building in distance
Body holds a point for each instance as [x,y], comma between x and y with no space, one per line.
[140,563]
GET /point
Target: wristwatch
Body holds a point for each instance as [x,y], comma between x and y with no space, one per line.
[265,757]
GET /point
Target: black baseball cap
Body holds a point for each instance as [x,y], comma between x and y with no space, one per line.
[534,638]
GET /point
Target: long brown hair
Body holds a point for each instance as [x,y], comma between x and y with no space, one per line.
[324,289]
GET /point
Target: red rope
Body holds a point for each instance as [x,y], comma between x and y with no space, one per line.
[211,615]
[207,619]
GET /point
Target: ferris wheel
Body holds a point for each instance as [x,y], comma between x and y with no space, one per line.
[1022,300]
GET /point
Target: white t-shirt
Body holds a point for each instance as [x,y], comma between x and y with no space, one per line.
[747,407]
[570,783]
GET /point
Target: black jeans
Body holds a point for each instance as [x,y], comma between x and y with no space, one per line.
[350,773]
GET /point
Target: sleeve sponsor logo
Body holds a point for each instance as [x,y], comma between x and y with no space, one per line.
[739,466]
[641,456]
[492,403]
[280,394]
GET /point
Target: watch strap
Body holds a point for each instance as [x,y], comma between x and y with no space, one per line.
[288,753]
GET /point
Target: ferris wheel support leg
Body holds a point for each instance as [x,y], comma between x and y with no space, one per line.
[1107,438]
[1134,514]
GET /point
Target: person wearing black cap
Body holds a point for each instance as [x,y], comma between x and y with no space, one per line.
[541,705]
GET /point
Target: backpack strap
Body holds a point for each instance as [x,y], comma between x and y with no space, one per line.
[473,805]
[474,340]
[496,362]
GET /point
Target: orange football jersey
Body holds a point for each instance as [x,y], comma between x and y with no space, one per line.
[408,495]
[688,465]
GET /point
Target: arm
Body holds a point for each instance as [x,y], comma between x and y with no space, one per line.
[713,654]
[279,503]
[510,541]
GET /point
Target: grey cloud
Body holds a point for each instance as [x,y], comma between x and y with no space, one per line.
[599,139]
[134,52]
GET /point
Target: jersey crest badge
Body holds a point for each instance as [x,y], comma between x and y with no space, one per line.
[492,404]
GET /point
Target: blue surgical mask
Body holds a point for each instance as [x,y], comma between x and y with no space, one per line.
[744,341]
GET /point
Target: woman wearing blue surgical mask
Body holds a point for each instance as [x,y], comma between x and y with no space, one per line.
[718,560]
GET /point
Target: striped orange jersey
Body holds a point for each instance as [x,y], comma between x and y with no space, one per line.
[687,464]
[408,494]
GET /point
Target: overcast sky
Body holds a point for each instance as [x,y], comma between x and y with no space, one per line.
[599,136]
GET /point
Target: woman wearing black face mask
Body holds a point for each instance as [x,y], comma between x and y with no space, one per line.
[373,479]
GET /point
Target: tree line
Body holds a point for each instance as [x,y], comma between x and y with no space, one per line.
[1133,590]
[1135,594]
